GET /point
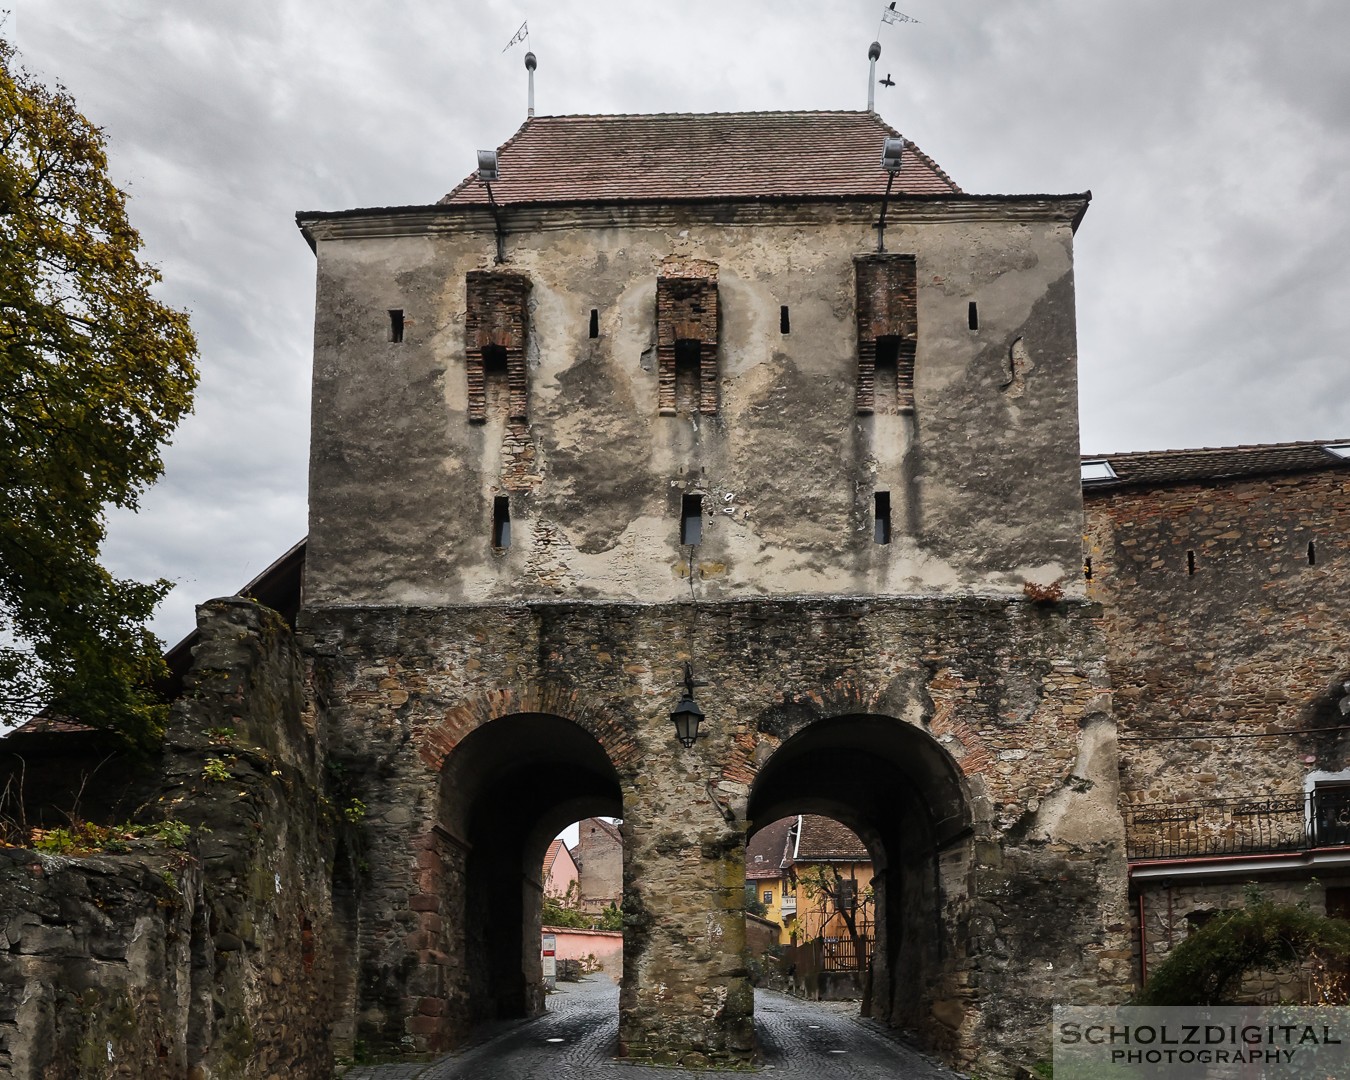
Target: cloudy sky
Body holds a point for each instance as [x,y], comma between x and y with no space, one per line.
[1213,289]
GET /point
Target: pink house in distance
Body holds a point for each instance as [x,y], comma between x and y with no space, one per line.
[560,870]
[603,948]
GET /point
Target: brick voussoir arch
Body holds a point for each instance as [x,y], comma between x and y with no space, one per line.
[436,741]
[796,712]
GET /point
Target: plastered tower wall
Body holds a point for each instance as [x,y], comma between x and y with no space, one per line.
[969,728]
[982,476]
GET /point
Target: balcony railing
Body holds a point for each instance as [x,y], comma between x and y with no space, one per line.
[1271,823]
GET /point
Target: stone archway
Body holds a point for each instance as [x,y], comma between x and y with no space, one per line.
[506,789]
[901,793]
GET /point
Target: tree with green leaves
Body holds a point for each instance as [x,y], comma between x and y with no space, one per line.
[95,373]
[566,911]
[1209,967]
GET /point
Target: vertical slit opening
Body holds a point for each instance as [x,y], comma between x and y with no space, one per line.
[973,315]
[1312,552]
[885,381]
[688,376]
[1190,562]
[501,521]
[1087,568]
[881,531]
[784,321]
[395,324]
[691,519]
[595,322]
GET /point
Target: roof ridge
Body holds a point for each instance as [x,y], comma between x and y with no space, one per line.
[826,152]
[727,112]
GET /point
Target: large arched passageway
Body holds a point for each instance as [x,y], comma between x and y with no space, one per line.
[506,790]
[901,793]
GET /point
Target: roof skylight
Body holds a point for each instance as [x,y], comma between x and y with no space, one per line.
[1340,450]
[1100,471]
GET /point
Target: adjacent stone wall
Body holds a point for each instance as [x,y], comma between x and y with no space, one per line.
[97,977]
[211,961]
[1172,911]
[1218,624]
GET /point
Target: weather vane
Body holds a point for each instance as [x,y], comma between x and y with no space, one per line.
[523,34]
[890,15]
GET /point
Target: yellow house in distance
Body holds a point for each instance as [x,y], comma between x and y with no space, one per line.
[830,871]
[765,872]
[803,869]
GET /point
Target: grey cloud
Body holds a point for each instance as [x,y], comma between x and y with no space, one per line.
[1214,134]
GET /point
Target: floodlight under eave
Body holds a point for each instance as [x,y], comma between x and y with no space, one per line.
[892,151]
[487,165]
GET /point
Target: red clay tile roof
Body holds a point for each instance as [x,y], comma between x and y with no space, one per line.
[765,853]
[550,855]
[822,839]
[1210,463]
[700,156]
[42,724]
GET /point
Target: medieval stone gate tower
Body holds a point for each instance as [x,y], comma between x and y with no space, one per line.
[656,399]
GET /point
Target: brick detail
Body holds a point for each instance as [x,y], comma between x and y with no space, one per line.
[497,316]
[887,308]
[437,741]
[687,310]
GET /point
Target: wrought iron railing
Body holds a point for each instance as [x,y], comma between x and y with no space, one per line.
[1269,823]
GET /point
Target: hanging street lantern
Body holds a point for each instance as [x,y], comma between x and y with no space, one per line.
[687,715]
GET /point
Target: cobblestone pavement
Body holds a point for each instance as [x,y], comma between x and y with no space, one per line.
[575,1038]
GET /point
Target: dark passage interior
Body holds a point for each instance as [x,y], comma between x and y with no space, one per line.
[506,791]
[899,791]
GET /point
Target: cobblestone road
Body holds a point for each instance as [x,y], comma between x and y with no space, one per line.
[576,1038]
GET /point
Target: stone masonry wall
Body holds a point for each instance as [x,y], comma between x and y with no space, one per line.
[212,961]
[1031,903]
[1173,910]
[1221,623]
[96,974]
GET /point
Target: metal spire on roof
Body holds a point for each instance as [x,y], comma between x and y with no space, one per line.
[530,65]
[873,55]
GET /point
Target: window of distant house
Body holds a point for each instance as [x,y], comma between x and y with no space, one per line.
[768,896]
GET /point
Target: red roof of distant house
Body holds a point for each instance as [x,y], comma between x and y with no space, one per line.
[669,156]
[42,724]
[550,856]
[822,839]
[767,849]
